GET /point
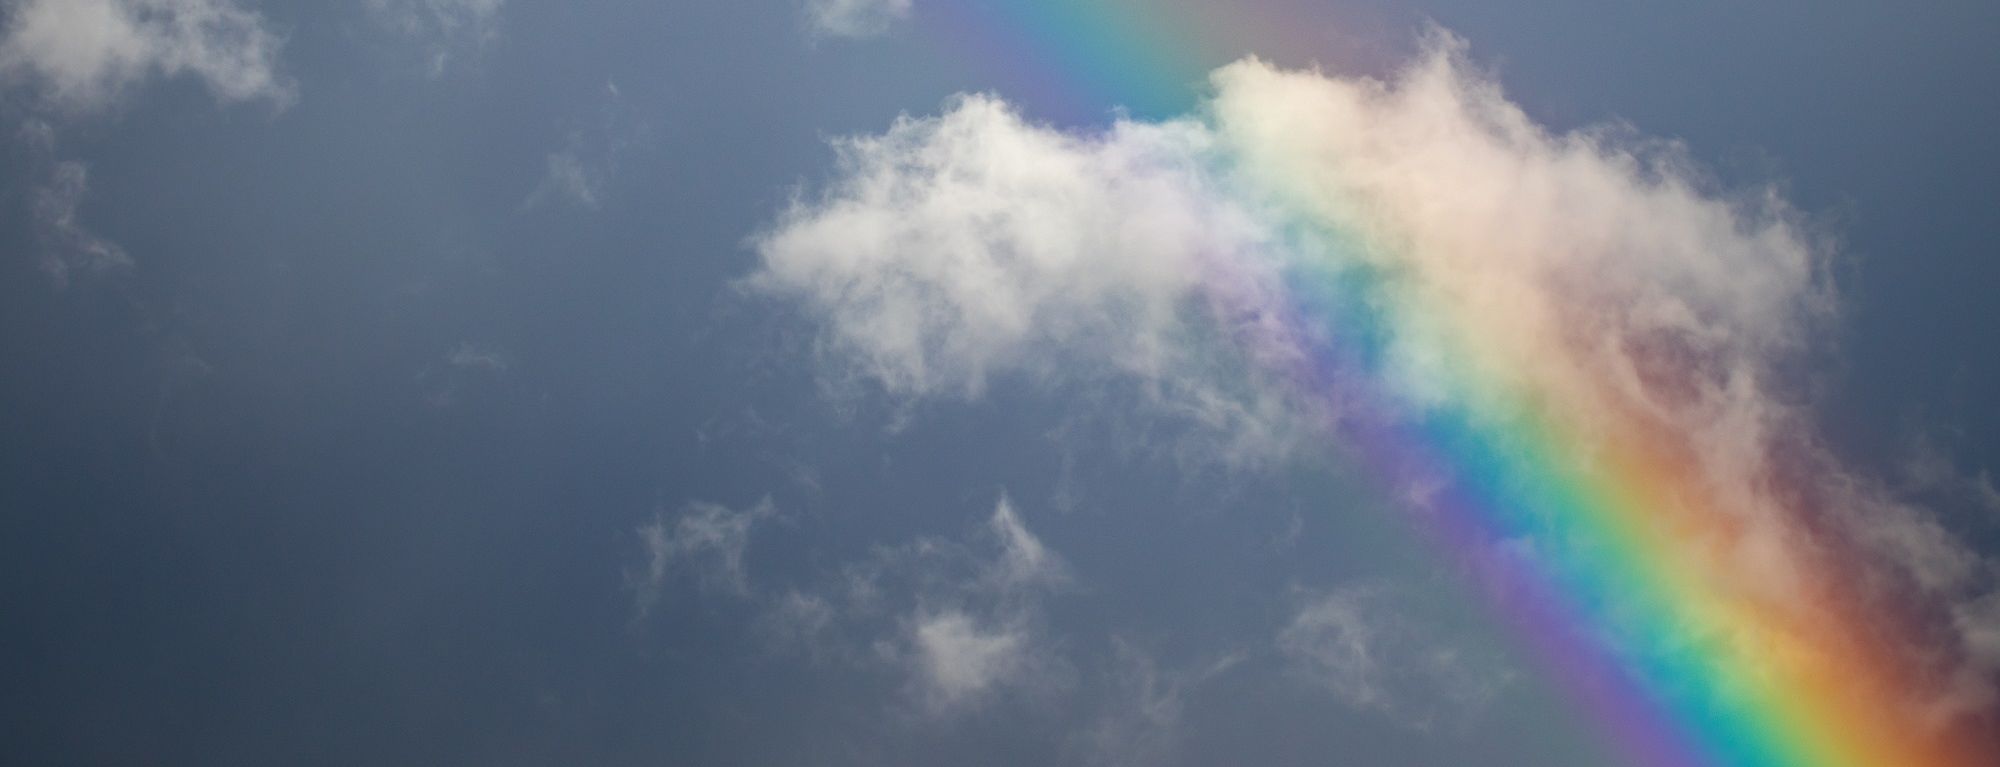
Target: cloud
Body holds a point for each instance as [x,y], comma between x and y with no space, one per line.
[1309,254]
[963,651]
[961,625]
[67,247]
[1024,562]
[567,178]
[1931,470]
[966,641]
[467,356]
[960,657]
[705,538]
[449,31]
[803,622]
[577,173]
[84,54]
[1353,643]
[973,246]
[1141,722]
[854,18]
[468,369]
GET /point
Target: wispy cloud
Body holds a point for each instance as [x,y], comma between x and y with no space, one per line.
[85,54]
[67,247]
[1355,643]
[704,540]
[448,32]
[960,658]
[468,356]
[1141,722]
[467,368]
[1023,562]
[577,173]
[854,18]
[962,625]
[567,178]
[964,651]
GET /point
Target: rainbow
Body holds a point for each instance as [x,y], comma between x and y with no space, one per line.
[1677,668]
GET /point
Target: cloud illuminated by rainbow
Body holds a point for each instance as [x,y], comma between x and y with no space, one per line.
[1567,354]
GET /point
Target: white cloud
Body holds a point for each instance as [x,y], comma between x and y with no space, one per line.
[84,54]
[1355,644]
[706,538]
[448,31]
[1024,561]
[959,249]
[960,657]
[854,18]
[1592,277]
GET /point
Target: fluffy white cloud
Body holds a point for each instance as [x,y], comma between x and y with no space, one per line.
[706,538]
[976,245]
[854,18]
[86,53]
[1591,278]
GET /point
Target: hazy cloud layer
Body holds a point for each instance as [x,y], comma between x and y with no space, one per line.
[83,54]
[1592,269]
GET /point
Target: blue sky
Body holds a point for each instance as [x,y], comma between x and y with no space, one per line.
[421,382]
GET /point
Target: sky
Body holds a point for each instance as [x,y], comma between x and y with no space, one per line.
[915,382]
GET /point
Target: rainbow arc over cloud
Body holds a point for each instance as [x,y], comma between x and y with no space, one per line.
[1615,525]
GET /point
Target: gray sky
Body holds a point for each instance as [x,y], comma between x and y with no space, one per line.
[490,382]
